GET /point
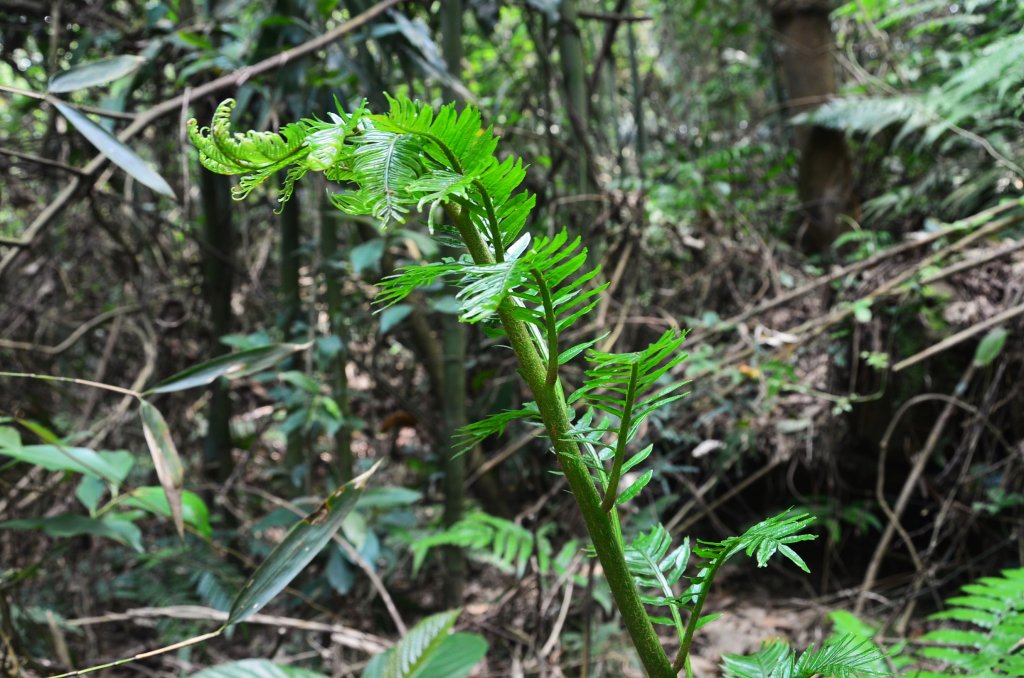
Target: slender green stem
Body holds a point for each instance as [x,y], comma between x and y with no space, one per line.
[601,525]
[552,327]
[683,658]
[492,222]
[612,491]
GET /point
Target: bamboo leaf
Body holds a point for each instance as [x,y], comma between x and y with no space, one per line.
[94,73]
[76,459]
[302,543]
[116,152]
[232,366]
[166,461]
[70,525]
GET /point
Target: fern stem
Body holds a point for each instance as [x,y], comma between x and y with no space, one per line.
[492,222]
[612,490]
[552,327]
[601,525]
[683,658]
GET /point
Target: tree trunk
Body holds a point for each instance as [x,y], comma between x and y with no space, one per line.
[570,51]
[218,231]
[805,44]
[453,347]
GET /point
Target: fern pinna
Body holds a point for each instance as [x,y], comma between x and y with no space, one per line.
[989,639]
[415,160]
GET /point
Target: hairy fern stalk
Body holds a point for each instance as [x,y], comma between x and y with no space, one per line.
[414,160]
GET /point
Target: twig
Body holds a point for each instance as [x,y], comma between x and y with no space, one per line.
[812,328]
[11,345]
[894,513]
[959,337]
[730,323]
[143,120]
[39,161]
[612,16]
[563,613]
[343,635]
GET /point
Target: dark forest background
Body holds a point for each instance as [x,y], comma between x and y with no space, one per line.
[828,196]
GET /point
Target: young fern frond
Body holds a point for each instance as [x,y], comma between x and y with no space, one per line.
[846,656]
[383,165]
[551,263]
[299,147]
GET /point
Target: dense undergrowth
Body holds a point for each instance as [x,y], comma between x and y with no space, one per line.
[873,386]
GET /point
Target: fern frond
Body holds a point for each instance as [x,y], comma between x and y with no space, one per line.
[993,609]
[871,115]
[846,656]
[619,385]
[383,166]
[397,287]
[556,260]
[764,540]
[773,660]
[502,542]
[415,649]
[998,64]
[298,147]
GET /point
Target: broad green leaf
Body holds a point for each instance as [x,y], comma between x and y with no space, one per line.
[89,491]
[115,150]
[990,346]
[846,623]
[109,466]
[412,654]
[456,657]
[302,543]
[94,73]
[70,525]
[392,315]
[255,668]
[153,500]
[165,459]
[366,256]
[231,366]
[9,438]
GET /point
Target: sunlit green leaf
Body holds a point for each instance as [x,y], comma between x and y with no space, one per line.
[990,347]
[154,500]
[168,465]
[93,73]
[115,150]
